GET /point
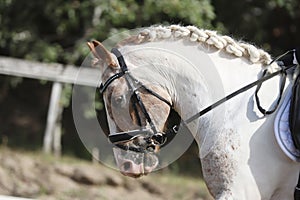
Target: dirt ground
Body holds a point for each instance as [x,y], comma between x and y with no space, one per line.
[38,176]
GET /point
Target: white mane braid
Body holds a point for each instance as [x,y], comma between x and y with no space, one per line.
[208,37]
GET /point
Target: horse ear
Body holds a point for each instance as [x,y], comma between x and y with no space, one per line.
[101,53]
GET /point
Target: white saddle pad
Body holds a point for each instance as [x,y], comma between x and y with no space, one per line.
[282,130]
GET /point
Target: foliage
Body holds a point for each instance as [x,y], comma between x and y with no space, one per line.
[271,24]
[56,30]
[40,30]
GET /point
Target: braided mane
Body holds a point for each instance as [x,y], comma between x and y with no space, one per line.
[201,36]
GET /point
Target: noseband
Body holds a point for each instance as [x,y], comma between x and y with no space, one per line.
[152,137]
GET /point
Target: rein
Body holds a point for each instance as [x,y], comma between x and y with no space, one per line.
[155,138]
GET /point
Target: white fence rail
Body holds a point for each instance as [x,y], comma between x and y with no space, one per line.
[59,74]
[48,71]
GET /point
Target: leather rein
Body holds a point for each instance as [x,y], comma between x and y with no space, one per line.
[155,138]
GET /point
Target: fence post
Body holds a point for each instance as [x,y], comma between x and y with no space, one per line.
[53,117]
[57,133]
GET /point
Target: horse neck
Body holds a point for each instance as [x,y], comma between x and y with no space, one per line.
[224,75]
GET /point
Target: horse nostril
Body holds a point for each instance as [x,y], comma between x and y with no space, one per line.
[126,166]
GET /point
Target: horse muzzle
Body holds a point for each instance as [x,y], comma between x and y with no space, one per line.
[134,164]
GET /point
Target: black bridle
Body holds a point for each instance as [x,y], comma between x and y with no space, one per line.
[153,137]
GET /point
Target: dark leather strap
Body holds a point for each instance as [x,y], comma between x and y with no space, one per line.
[260,108]
[125,136]
[243,89]
[120,58]
[289,58]
[103,86]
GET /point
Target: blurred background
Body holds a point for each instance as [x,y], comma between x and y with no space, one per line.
[56,31]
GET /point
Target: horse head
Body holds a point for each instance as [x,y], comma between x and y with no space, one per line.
[137,114]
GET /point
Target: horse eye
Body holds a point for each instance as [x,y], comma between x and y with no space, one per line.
[118,100]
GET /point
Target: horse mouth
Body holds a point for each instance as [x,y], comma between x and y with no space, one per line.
[134,164]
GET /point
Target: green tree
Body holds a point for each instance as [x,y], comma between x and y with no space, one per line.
[56,30]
